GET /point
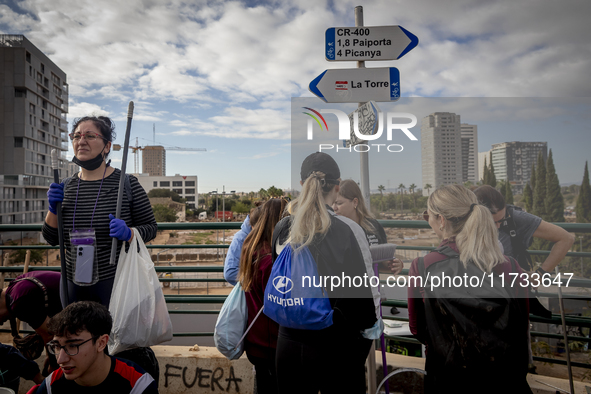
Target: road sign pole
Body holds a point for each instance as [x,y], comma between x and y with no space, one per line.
[363,156]
[364,172]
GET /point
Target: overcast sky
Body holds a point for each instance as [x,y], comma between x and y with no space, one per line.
[221,75]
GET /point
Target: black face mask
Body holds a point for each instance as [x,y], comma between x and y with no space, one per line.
[92,164]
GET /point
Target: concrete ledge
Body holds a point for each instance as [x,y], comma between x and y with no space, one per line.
[205,370]
[208,371]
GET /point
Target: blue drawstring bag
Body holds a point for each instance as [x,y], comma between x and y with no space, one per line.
[294,303]
[231,324]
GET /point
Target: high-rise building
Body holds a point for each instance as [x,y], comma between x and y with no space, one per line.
[441,150]
[469,153]
[33,108]
[154,160]
[513,161]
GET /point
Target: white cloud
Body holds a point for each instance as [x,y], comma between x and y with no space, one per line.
[262,155]
[267,53]
[239,122]
[78,110]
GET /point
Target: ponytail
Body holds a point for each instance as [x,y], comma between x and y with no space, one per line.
[310,216]
[471,224]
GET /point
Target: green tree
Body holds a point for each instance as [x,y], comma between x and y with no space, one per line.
[18,256]
[528,197]
[532,180]
[166,193]
[583,207]
[539,208]
[381,189]
[508,193]
[428,187]
[164,213]
[412,188]
[502,188]
[485,175]
[401,187]
[240,207]
[554,201]
[491,173]
[263,194]
[274,192]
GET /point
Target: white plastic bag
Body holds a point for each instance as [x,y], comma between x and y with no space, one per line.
[231,324]
[140,316]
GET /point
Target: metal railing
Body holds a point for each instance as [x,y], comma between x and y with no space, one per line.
[219,299]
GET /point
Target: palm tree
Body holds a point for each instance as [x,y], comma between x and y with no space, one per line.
[412,190]
[401,187]
[381,188]
[428,187]
[263,194]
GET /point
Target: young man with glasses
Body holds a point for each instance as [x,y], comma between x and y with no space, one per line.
[81,333]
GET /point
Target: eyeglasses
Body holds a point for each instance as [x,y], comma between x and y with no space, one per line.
[507,216]
[87,136]
[71,349]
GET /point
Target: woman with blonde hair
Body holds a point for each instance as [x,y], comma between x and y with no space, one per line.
[255,267]
[332,359]
[475,333]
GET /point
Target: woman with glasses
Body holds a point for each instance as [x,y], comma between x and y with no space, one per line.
[329,360]
[255,268]
[474,329]
[89,202]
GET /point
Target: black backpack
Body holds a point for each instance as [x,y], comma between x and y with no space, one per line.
[472,329]
[519,249]
[523,258]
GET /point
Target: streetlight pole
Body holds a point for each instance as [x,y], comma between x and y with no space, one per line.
[217,232]
[580,250]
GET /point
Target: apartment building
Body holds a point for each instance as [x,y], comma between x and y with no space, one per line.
[184,186]
[33,109]
[513,161]
[154,160]
[441,150]
[469,134]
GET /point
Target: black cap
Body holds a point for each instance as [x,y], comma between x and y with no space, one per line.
[322,162]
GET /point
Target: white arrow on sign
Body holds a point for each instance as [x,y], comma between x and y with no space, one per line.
[368,43]
[355,85]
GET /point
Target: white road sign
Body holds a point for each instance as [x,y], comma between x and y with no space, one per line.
[357,85]
[368,43]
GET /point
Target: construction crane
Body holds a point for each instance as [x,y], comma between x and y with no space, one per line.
[135,150]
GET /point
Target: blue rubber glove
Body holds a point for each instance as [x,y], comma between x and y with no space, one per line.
[55,194]
[119,229]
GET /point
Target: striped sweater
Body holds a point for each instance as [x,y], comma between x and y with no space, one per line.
[136,214]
